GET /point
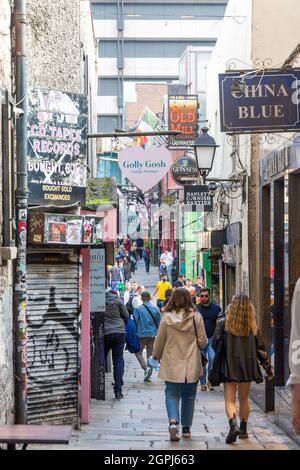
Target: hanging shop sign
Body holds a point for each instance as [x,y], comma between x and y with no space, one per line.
[101,190]
[260,102]
[145,168]
[183,117]
[184,169]
[64,229]
[274,165]
[57,147]
[198,196]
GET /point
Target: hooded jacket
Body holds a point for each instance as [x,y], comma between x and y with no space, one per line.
[177,346]
[116,315]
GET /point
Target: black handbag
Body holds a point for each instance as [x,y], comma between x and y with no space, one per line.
[204,359]
[215,376]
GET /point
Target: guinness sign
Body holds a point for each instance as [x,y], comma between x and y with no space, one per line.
[184,170]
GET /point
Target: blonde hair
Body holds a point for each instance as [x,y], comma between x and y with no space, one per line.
[241,317]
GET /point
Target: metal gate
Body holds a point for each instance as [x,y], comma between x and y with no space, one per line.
[53,338]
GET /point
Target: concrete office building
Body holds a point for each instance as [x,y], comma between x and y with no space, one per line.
[142,41]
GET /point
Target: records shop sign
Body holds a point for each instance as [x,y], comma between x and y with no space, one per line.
[57,147]
[260,102]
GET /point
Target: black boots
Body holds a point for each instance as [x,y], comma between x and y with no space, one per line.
[234,431]
[243,430]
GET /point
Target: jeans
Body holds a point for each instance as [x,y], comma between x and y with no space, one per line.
[160,304]
[210,353]
[169,273]
[147,264]
[175,392]
[114,285]
[116,342]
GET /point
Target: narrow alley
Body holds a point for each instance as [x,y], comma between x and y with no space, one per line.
[139,421]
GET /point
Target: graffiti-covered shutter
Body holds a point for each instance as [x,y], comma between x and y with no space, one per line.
[53,338]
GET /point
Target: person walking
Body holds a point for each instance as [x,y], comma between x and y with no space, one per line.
[168,295]
[180,335]
[180,281]
[238,345]
[133,258]
[199,284]
[211,313]
[167,259]
[127,243]
[147,318]
[127,268]
[115,317]
[294,354]
[146,255]
[115,276]
[160,290]
[137,298]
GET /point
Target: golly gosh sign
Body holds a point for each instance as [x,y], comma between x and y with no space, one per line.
[145,168]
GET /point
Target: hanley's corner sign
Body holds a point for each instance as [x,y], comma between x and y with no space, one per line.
[260,102]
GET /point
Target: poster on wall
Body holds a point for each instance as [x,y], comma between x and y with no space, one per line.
[183,117]
[97,280]
[56,147]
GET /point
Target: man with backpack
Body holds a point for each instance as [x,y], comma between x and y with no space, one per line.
[147,319]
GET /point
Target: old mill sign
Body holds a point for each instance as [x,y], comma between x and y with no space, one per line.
[260,102]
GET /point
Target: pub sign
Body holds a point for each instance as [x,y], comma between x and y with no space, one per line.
[56,147]
[183,117]
[259,102]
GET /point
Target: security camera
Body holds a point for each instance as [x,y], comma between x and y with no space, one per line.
[19,112]
[212,188]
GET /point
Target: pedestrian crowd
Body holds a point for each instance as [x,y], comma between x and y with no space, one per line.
[190,337]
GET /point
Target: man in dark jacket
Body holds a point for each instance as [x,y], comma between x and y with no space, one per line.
[115,317]
[211,313]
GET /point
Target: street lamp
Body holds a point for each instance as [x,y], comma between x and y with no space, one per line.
[205,148]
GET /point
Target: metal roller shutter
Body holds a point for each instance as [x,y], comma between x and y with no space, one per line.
[53,341]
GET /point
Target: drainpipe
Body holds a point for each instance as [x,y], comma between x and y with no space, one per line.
[20,287]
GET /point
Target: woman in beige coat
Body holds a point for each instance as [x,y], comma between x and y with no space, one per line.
[180,336]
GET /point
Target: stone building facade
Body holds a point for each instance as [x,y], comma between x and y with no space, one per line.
[6,316]
[61,55]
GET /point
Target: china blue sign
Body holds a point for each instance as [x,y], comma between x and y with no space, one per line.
[260,102]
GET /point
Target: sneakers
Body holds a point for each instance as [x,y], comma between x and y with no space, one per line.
[186,432]
[203,388]
[147,374]
[173,430]
[119,395]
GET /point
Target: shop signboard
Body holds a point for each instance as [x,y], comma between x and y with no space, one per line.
[56,147]
[259,101]
[183,117]
[184,170]
[198,196]
[145,168]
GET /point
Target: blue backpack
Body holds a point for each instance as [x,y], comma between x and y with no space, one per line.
[132,342]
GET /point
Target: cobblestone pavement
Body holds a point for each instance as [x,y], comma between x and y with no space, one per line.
[139,421]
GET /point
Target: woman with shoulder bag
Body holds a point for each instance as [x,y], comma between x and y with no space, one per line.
[180,336]
[238,346]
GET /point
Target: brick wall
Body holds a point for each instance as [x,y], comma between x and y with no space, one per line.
[150,94]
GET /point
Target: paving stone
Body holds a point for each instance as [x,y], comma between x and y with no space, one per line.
[139,421]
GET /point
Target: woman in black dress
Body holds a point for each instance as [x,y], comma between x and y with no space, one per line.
[239,346]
